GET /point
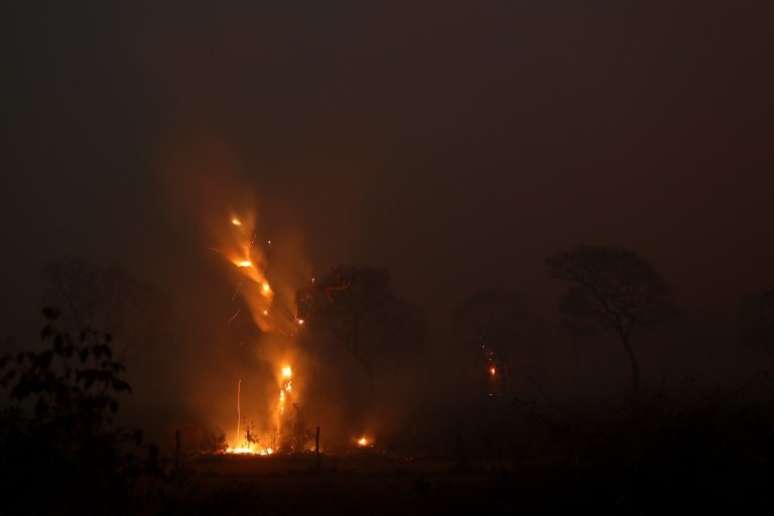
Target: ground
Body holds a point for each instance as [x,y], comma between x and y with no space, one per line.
[374,484]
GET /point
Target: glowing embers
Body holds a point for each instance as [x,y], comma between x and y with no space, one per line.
[364,442]
[250,450]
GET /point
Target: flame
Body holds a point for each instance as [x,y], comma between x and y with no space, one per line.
[249,449]
[246,253]
[243,250]
[363,442]
[241,445]
[286,387]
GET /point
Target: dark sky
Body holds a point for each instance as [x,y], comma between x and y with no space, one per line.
[455,143]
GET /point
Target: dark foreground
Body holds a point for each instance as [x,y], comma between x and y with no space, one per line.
[375,484]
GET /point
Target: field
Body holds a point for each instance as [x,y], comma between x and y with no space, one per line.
[367,483]
[371,483]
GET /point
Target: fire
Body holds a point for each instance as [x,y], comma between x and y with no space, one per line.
[250,450]
[243,249]
[247,445]
[248,255]
[286,387]
[363,442]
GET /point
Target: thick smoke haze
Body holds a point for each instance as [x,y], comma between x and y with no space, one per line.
[455,144]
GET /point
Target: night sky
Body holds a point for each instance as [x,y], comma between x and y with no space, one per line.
[457,144]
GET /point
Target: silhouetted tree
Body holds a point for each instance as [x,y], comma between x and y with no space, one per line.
[756,320]
[91,295]
[69,441]
[358,307]
[611,290]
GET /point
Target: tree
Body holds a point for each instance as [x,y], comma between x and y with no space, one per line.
[357,306]
[495,321]
[611,290]
[97,296]
[69,442]
[756,320]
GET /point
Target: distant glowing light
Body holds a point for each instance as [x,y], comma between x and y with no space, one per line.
[492,371]
[266,313]
[235,221]
[244,263]
[301,322]
[363,442]
[266,289]
[287,372]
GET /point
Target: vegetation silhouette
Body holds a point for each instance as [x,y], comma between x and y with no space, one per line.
[614,290]
[62,451]
[358,307]
[756,321]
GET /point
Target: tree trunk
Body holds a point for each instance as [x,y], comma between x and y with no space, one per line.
[634,364]
[363,361]
[317,449]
